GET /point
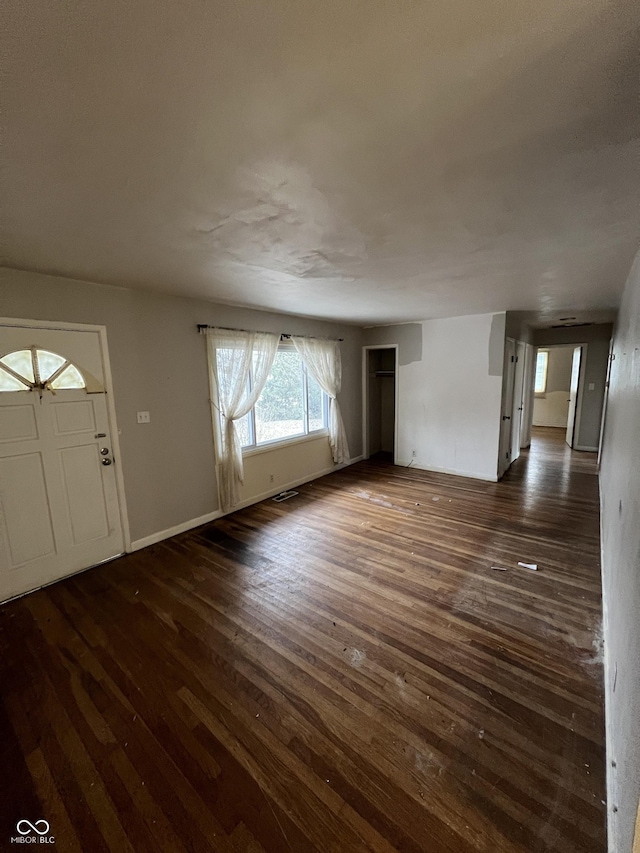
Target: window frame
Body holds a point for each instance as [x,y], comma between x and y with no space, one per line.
[308,435]
[543,391]
[37,383]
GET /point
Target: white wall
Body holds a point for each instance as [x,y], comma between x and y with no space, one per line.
[159,365]
[450,394]
[620,506]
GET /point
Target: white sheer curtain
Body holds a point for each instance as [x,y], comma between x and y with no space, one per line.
[233,357]
[322,360]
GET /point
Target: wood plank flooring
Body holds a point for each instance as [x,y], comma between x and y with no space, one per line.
[340,672]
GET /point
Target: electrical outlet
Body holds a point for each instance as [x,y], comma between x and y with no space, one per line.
[271,478]
[413,453]
[143,417]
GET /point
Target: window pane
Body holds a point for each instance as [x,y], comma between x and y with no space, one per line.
[20,362]
[48,363]
[541,372]
[69,378]
[10,383]
[316,407]
[280,409]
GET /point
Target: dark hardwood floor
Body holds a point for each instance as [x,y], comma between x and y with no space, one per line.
[340,672]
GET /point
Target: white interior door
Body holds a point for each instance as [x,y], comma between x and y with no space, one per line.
[507,406]
[59,505]
[573,395]
[527,396]
[518,399]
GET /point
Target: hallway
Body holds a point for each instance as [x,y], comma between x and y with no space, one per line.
[340,672]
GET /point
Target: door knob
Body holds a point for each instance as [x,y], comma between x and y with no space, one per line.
[104,451]
[106,461]
[506,417]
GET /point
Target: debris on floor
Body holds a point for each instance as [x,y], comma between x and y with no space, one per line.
[532,566]
[499,568]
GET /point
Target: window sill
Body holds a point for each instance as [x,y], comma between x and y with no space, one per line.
[279,443]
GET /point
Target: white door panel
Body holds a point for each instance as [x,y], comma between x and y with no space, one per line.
[28,531]
[573,395]
[73,417]
[504,459]
[17,423]
[59,505]
[82,476]
[518,400]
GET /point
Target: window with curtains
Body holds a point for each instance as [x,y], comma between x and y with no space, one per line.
[291,404]
[264,390]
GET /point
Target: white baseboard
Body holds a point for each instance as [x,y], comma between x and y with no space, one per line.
[473,475]
[584,447]
[173,531]
[551,424]
[211,516]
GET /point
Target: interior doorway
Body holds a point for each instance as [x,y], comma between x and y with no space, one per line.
[61,490]
[380,392]
[558,388]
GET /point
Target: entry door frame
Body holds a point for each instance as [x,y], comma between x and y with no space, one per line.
[365,398]
[111,409]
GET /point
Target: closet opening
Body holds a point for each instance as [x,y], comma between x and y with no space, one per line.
[380,402]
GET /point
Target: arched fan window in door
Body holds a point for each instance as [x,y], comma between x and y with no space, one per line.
[36,369]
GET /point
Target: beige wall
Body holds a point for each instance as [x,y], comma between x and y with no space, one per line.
[159,365]
[620,505]
[559,370]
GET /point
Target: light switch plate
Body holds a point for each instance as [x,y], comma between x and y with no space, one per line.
[592,386]
[143,417]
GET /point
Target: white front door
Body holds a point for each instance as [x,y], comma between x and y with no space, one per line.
[59,507]
[573,395]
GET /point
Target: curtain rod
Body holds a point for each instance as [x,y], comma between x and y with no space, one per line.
[284,335]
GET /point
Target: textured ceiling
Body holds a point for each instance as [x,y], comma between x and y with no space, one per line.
[369,160]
